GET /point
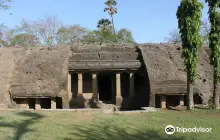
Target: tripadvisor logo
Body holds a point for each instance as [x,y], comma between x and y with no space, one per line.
[170,129]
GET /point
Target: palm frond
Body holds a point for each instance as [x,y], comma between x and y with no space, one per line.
[106,9]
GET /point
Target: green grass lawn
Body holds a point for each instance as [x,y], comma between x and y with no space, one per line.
[66,125]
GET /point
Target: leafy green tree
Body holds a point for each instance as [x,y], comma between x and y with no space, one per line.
[104,24]
[111,11]
[3,43]
[125,36]
[70,34]
[214,44]
[189,15]
[105,31]
[25,40]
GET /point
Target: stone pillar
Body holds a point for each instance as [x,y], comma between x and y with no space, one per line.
[163,101]
[53,103]
[37,104]
[131,90]
[113,92]
[69,87]
[118,90]
[24,104]
[80,84]
[181,97]
[95,87]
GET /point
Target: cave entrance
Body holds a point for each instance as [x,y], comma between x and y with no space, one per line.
[172,100]
[31,103]
[197,99]
[59,104]
[45,103]
[105,87]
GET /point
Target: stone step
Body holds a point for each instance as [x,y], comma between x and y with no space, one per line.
[116,56]
[99,48]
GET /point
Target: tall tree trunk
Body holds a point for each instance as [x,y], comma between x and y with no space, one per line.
[190,102]
[113,24]
[216,93]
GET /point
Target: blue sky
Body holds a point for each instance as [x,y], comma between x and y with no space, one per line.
[149,20]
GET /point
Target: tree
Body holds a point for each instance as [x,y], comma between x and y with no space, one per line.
[70,34]
[45,30]
[174,35]
[104,24]
[189,23]
[214,44]
[3,36]
[104,31]
[4,4]
[125,36]
[111,11]
[25,40]
[205,29]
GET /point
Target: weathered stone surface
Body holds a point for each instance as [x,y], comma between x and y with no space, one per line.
[117,56]
[96,48]
[104,57]
[165,65]
[38,71]
[43,71]
[7,64]
[95,65]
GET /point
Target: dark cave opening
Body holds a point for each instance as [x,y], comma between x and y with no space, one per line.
[105,87]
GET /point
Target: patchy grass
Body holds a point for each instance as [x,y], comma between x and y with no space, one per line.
[65,125]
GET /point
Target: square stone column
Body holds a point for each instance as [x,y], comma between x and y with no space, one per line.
[181,97]
[80,84]
[53,103]
[24,104]
[37,104]
[118,89]
[69,87]
[95,87]
[163,101]
[131,88]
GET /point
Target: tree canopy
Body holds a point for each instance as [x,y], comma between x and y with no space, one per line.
[189,15]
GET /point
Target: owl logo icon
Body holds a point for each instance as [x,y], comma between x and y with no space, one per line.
[170,129]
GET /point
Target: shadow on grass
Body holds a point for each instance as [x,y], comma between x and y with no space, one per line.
[109,132]
[21,127]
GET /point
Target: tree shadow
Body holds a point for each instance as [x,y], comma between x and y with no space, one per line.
[22,127]
[110,132]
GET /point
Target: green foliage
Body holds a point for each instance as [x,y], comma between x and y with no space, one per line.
[174,35]
[214,36]
[24,40]
[3,43]
[70,34]
[100,35]
[4,4]
[104,24]
[211,103]
[107,36]
[125,36]
[189,22]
